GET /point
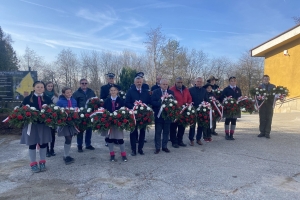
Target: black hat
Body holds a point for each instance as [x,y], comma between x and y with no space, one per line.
[206,85]
[232,77]
[212,78]
[110,75]
[140,74]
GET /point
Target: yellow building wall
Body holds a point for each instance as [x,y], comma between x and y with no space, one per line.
[285,70]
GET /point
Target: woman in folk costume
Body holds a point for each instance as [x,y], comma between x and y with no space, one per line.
[67,101]
[115,135]
[230,122]
[50,92]
[39,133]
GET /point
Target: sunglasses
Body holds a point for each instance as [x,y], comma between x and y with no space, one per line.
[83,83]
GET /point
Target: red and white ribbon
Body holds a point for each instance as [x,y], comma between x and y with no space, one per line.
[256,102]
[99,111]
[184,108]
[163,97]
[6,119]
[214,100]
[29,128]
[208,106]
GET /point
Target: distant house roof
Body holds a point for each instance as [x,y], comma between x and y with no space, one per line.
[277,41]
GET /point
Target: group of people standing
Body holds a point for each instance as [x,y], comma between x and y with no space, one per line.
[44,137]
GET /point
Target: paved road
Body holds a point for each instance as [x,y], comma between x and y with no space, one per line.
[247,168]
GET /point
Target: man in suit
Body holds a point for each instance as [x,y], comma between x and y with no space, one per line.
[81,96]
[161,125]
[104,91]
[183,96]
[137,93]
[266,110]
[198,93]
[157,85]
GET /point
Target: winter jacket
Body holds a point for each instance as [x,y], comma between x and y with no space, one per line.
[63,102]
[182,98]
[197,95]
[81,97]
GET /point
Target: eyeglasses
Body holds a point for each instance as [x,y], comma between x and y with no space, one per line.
[83,83]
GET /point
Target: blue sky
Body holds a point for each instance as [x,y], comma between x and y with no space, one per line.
[218,27]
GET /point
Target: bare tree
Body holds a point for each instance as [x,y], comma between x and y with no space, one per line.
[296,19]
[68,68]
[31,60]
[154,45]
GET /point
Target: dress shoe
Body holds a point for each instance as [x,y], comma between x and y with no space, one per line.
[261,135]
[191,143]
[210,140]
[80,149]
[199,142]
[133,153]
[141,152]
[90,147]
[214,133]
[166,150]
[268,136]
[52,153]
[175,145]
[48,154]
[156,151]
[182,144]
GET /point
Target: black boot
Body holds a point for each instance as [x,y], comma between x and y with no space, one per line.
[227,136]
[231,136]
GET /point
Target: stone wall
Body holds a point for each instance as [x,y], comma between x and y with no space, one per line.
[292,106]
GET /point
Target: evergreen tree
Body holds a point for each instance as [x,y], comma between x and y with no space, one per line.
[8,57]
[126,78]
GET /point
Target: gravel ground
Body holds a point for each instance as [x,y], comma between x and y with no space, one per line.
[247,168]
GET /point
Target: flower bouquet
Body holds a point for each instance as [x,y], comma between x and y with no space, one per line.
[217,108]
[203,114]
[231,107]
[124,119]
[85,120]
[144,115]
[169,108]
[280,92]
[94,103]
[53,116]
[246,104]
[217,92]
[22,115]
[259,93]
[122,94]
[72,116]
[187,115]
[101,120]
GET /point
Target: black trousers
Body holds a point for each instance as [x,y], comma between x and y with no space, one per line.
[52,142]
[265,118]
[133,138]
[192,132]
[164,128]
[206,133]
[176,137]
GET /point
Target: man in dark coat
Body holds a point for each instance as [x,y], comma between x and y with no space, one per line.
[198,93]
[157,85]
[135,94]
[81,96]
[104,91]
[161,125]
[266,110]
